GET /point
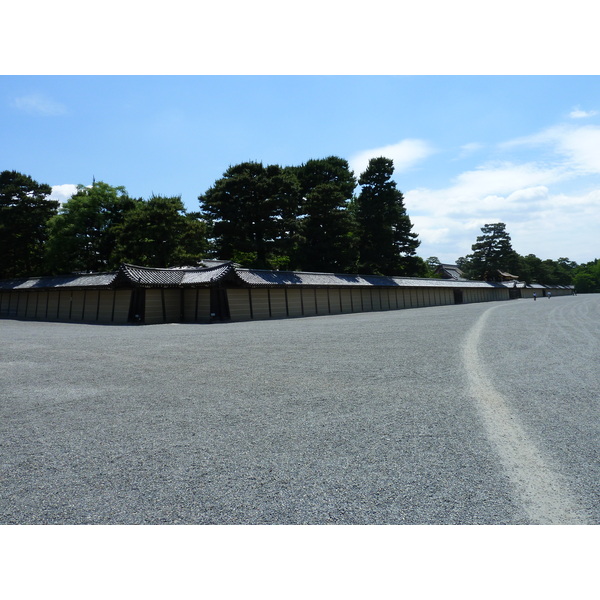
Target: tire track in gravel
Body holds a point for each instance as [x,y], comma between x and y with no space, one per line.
[543,495]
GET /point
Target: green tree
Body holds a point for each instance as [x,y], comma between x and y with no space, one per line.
[159,233]
[587,277]
[24,214]
[325,240]
[492,252]
[565,270]
[433,262]
[250,213]
[551,272]
[386,242]
[530,269]
[82,235]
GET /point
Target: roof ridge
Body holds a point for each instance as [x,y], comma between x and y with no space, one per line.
[176,269]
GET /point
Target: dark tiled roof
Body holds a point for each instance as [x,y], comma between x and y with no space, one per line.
[132,275]
[146,276]
[129,274]
[450,272]
[507,275]
[256,277]
[64,281]
[206,276]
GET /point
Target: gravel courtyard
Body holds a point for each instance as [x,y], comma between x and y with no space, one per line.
[370,418]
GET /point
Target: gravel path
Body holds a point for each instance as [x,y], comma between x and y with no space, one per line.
[349,419]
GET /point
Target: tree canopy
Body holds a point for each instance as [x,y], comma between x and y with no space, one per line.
[324,224]
[24,213]
[248,213]
[82,235]
[305,217]
[282,217]
[386,242]
[586,277]
[492,252]
[101,227]
[159,233]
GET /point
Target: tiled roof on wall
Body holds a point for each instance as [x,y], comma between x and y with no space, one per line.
[131,276]
[257,277]
[88,280]
[206,276]
[147,276]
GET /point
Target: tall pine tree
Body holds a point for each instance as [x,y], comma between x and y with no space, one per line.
[492,252]
[386,242]
[324,223]
[250,212]
[24,213]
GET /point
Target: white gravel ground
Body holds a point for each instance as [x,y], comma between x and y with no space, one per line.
[351,419]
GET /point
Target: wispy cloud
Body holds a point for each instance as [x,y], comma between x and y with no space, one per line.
[469,149]
[39,104]
[405,154]
[577,113]
[532,197]
[580,145]
[494,188]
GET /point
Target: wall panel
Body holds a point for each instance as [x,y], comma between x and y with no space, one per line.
[278,303]
[294,298]
[4,303]
[31,304]
[122,300]
[196,305]
[239,304]
[335,301]
[154,307]
[309,302]
[356,299]
[172,300]
[52,313]
[322,301]
[260,303]
[64,306]
[346,297]
[77,298]
[91,306]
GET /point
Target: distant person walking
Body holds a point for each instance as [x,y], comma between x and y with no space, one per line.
[549,294]
[534,296]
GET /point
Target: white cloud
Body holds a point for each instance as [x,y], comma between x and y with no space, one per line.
[550,202]
[580,145]
[63,192]
[565,225]
[405,154]
[39,104]
[577,113]
[495,188]
[541,222]
[469,149]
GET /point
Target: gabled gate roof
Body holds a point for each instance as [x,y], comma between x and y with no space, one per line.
[151,277]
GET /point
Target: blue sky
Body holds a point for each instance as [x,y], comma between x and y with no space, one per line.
[468,150]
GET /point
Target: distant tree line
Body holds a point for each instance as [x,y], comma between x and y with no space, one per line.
[312,217]
[493,252]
